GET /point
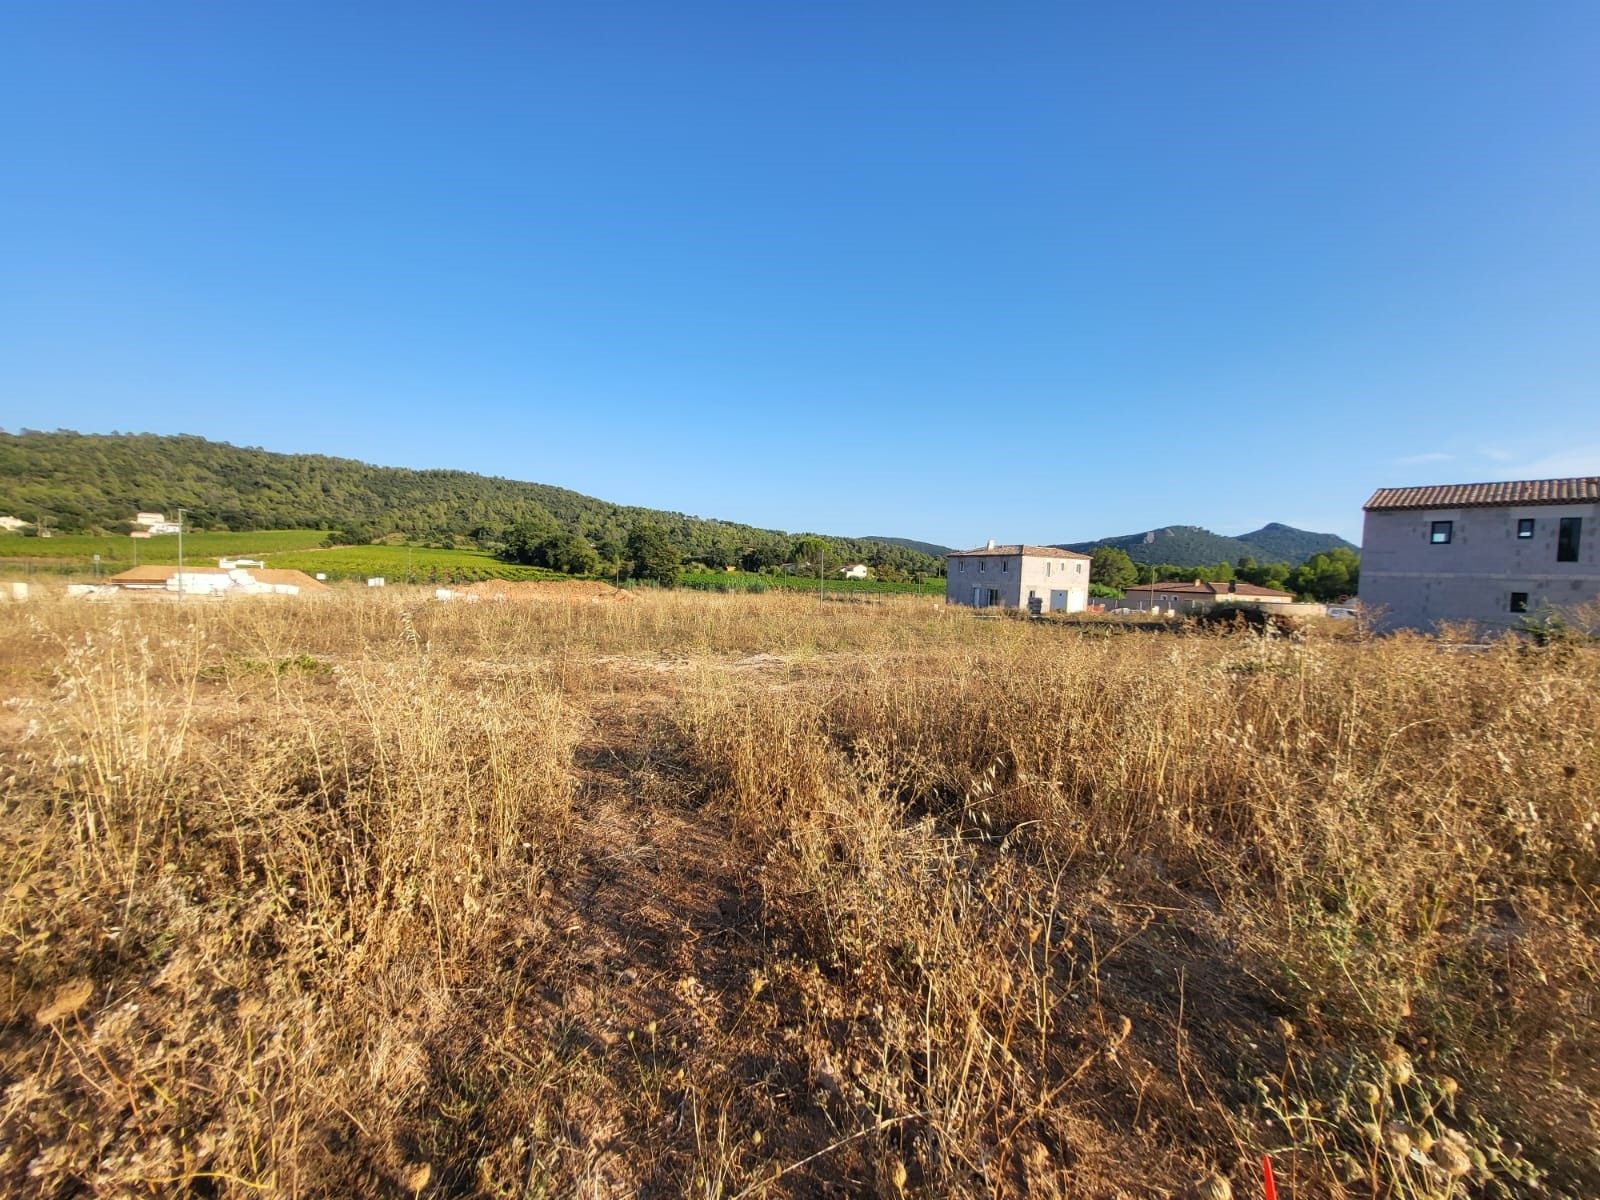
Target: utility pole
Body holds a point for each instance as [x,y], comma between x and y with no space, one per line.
[180,553]
[822,564]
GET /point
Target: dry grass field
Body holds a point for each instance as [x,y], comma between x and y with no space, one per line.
[728,896]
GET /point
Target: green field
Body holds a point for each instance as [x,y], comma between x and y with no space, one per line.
[299,549]
[116,553]
[744,581]
[418,564]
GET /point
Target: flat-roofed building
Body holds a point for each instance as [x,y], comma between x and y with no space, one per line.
[212,581]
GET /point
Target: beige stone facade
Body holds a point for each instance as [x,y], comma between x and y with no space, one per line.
[1040,578]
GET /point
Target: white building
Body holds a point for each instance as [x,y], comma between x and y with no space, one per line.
[213,581]
[153,522]
[1032,578]
[855,571]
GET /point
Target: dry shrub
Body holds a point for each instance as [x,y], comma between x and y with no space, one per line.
[1392,839]
[288,893]
[278,876]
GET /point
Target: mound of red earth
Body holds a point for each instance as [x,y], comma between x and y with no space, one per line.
[569,590]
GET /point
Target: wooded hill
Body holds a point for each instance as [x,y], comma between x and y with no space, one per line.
[1192,546]
[96,482]
[932,548]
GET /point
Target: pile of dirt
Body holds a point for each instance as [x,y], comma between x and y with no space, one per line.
[569,590]
[1239,618]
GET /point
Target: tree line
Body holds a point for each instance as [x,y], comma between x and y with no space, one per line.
[1326,577]
[648,551]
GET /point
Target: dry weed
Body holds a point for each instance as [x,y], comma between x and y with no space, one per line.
[739,895]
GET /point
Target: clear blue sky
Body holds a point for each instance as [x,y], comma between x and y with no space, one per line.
[1039,272]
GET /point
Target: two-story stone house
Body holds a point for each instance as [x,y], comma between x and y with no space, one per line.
[1489,553]
[1040,578]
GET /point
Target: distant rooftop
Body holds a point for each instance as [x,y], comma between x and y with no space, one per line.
[1579,489]
[1201,587]
[1015,548]
[156,573]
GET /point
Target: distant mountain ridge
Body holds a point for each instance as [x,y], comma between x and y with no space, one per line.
[1194,546]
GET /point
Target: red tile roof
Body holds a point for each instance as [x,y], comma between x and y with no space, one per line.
[1200,587]
[1025,551]
[1581,489]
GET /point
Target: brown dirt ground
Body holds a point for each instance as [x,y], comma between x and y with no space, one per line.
[571,591]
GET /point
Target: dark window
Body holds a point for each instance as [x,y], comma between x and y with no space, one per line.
[1441,533]
[1525,527]
[1567,539]
[1519,601]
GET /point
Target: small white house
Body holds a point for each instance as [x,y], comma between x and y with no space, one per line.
[1031,578]
[153,522]
[191,581]
[13,524]
[855,571]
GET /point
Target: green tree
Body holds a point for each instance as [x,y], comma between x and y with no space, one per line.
[762,556]
[571,554]
[1331,575]
[1272,575]
[653,556]
[1112,568]
[524,540]
[810,554]
[612,549]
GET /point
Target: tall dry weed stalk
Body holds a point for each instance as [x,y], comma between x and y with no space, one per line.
[1372,824]
[284,870]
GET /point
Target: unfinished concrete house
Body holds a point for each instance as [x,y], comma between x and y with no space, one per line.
[1490,553]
